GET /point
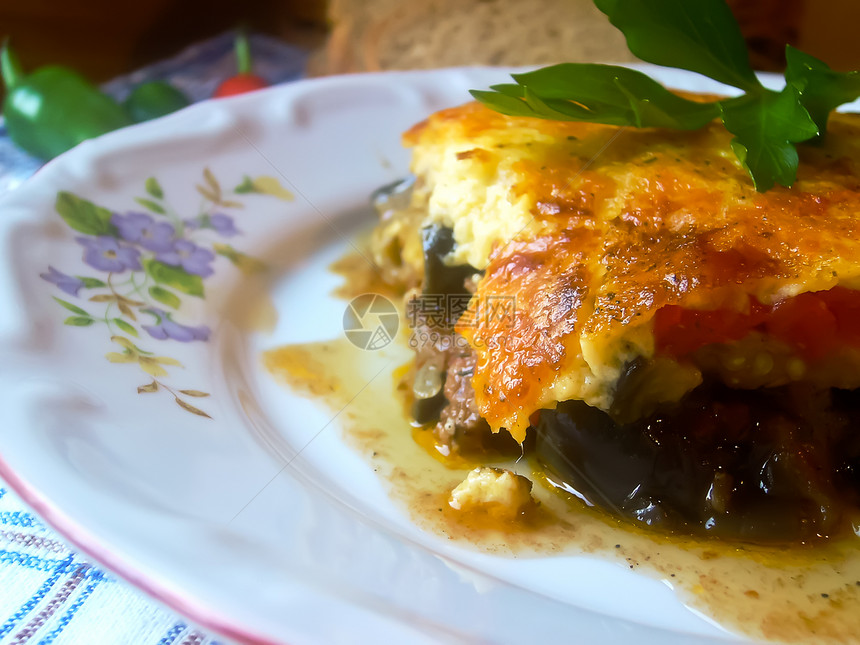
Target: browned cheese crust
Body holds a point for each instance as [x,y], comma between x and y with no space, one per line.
[619,223]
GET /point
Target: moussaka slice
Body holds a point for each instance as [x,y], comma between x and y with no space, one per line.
[673,345]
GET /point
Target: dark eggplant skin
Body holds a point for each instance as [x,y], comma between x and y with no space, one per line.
[426,411]
[396,193]
[440,278]
[770,465]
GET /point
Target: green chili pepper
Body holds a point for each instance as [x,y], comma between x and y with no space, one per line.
[154,99]
[54,108]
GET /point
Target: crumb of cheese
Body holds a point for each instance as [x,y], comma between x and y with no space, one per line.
[496,487]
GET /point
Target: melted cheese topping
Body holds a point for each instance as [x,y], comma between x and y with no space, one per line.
[592,228]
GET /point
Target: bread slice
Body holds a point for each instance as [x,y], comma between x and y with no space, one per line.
[394,34]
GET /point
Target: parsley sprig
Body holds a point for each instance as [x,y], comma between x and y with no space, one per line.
[702,37]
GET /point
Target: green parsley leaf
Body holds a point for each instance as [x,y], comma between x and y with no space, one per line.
[614,95]
[502,102]
[698,35]
[597,94]
[821,89]
[766,125]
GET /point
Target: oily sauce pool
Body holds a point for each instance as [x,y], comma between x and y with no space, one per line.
[793,594]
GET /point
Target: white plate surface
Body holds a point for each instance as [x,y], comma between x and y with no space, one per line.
[219,517]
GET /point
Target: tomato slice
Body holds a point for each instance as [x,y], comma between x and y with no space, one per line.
[815,324]
[845,305]
[806,323]
[680,331]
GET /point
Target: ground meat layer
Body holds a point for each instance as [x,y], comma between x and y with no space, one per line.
[451,411]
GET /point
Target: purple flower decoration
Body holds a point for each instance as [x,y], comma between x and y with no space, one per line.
[223,225]
[105,253]
[140,228]
[165,328]
[190,257]
[220,223]
[70,284]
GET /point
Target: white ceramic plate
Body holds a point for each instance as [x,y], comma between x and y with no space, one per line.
[107,353]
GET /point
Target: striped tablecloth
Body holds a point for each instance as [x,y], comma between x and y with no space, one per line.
[48,592]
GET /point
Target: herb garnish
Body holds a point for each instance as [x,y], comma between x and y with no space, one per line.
[701,36]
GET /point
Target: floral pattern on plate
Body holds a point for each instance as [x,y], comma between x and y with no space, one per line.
[148,262]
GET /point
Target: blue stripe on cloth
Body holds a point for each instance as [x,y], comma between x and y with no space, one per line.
[60,567]
[172,634]
[19,518]
[31,561]
[97,578]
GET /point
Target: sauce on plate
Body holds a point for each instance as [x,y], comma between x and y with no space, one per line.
[785,593]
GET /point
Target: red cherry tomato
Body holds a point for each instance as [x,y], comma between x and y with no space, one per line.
[240,84]
[244,80]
